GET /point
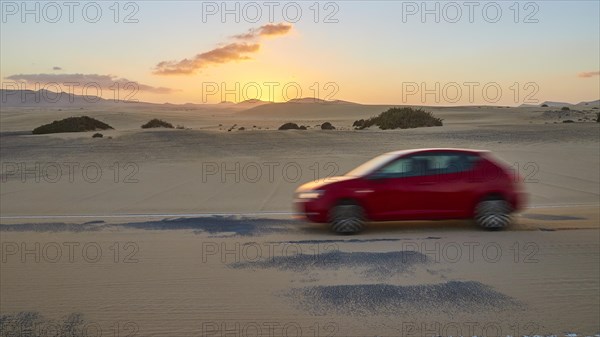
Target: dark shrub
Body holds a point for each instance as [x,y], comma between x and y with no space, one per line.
[598,117]
[544,105]
[565,108]
[302,127]
[180,127]
[568,121]
[157,123]
[72,124]
[400,118]
[97,135]
[359,124]
[242,128]
[290,126]
[327,126]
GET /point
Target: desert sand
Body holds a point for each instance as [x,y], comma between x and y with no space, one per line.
[197,237]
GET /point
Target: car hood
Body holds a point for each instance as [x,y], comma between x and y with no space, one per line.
[318,184]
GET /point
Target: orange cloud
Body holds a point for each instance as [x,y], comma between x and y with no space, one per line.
[589,74]
[266,30]
[229,53]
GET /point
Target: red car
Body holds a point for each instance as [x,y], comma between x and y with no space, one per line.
[425,184]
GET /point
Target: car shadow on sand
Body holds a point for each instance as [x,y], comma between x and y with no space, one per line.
[249,226]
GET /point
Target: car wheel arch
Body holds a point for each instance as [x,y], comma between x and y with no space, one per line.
[350,201]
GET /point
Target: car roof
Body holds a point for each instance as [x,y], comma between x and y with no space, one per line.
[428,150]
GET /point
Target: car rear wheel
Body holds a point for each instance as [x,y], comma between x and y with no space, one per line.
[493,214]
[347,218]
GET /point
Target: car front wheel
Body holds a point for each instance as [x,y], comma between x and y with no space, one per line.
[347,218]
[493,214]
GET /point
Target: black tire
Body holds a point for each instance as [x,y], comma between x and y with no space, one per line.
[347,218]
[493,213]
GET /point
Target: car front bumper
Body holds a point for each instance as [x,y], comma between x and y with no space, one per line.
[312,210]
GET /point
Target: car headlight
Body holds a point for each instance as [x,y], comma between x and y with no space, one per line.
[310,194]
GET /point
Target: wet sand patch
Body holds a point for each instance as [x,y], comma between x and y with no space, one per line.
[360,299]
[385,264]
[216,225]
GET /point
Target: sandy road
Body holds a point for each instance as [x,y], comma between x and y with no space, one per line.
[539,217]
[222,276]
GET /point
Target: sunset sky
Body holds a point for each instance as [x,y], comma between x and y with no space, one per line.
[376,52]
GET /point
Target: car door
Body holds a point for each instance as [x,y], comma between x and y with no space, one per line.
[391,191]
[440,191]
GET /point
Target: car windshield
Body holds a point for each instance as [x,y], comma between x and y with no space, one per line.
[372,165]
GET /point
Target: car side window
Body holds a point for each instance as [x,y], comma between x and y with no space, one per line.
[447,163]
[428,164]
[412,166]
[423,165]
[397,168]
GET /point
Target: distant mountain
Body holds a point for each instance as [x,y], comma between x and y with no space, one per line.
[312,100]
[556,104]
[304,100]
[312,109]
[337,101]
[591,103]
[46,98]
[10,98]
[552,104]
[249,103]
[49,99]
[252,101]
